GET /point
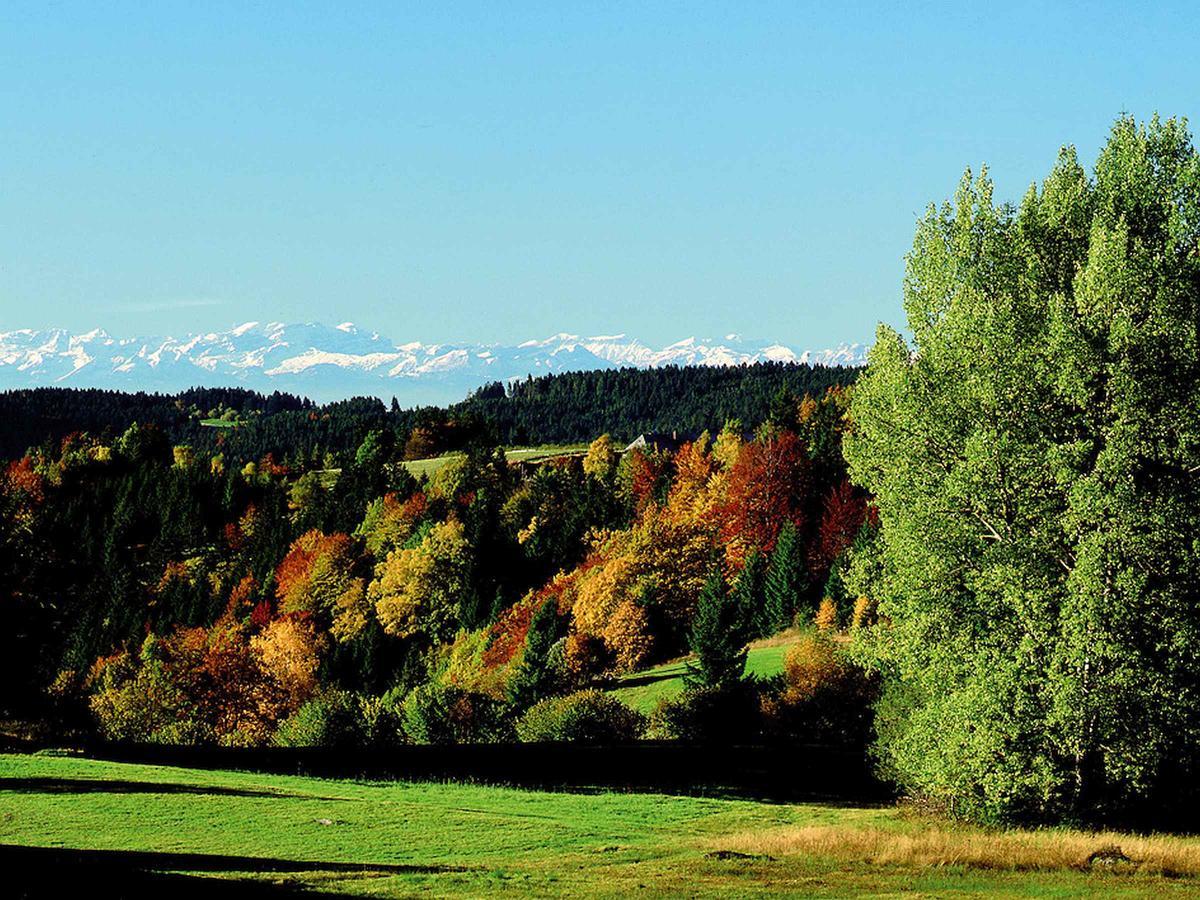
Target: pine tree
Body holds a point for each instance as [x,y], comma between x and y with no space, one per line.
[784,580]
[749,597]
[534,679]
[716,638]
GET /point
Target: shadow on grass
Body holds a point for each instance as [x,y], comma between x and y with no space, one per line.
[767,773]
[107,786]
[633,681]
[53,871]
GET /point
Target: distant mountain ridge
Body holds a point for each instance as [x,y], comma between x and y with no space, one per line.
[332,362]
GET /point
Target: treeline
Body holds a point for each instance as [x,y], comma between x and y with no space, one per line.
[247,426]
[624,403]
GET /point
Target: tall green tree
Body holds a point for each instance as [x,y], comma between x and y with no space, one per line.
[785,580]
[1033,455]
[717,638]
[534,678]
[749,596]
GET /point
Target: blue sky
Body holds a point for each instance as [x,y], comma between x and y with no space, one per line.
[494,172]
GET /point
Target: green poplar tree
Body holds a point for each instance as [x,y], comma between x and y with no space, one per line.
[1033,455]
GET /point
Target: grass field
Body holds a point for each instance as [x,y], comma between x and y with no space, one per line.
[419,467]
[218,423]
[399,840]
[644,690]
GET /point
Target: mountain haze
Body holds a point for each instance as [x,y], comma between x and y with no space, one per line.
[332,362]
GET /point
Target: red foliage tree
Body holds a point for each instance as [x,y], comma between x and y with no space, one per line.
[769,484]
[845,510]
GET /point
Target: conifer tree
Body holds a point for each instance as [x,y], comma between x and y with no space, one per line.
[749,596]
[534,679]
[784,581]
[716,638]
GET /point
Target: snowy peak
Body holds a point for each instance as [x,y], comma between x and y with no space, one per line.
[332,362]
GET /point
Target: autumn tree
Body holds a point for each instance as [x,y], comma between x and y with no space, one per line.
[768,485]
[315,573]
[601,459]
[416,590]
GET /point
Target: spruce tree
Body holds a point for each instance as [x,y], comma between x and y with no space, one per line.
[534,679]
[784,581]
[716,639]
[749,597]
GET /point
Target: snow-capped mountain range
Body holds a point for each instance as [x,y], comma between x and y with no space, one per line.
[333,362]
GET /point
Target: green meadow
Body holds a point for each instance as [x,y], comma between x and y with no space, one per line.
[390,839]
[427,467]
[644,690]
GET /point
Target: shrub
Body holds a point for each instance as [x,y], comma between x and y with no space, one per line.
[380,721]
[440,714]
[331,719]
[586,717]
[823,697]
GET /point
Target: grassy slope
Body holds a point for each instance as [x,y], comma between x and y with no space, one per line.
[475,841]
[420,467]
[643,690]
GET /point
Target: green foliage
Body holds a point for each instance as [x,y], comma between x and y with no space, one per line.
[784,582]
[749,596]
[440,714]
[586,717]
[717,638]
[331,719]
[1032,454]
[535,677]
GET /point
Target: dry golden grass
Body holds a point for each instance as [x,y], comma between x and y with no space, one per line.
[953,845]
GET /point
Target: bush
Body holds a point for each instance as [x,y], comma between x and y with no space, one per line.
[710,715]
[586,717]
[331,719]
[822,698]
[380,721]
[440,714]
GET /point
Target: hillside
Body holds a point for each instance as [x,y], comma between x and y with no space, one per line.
[555,409]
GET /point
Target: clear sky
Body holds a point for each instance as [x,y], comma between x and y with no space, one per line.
[500,171]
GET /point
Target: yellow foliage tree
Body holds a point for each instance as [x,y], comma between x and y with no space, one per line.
[288,650]
[418,589]
[601,459]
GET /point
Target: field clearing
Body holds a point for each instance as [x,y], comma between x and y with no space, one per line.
[428,467]
[646,689]
[218,423]
[131,824]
